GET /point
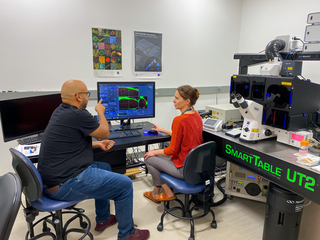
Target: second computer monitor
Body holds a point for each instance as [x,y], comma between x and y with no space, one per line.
[127,100]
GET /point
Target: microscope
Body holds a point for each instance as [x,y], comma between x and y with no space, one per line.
[252,112]
[278,102]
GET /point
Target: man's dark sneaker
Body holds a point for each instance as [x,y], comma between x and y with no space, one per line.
[102,226]
[139,235]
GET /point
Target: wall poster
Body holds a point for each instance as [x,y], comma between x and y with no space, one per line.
[107,52]
[147,55]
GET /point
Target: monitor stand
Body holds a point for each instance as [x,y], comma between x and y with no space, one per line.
[129,126]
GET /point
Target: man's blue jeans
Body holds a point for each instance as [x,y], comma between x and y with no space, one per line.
[100,183]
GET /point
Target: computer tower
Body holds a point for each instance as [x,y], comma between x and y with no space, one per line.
[243,183]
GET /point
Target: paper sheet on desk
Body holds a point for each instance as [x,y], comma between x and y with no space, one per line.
[317,168]
[308,160]
[29,150]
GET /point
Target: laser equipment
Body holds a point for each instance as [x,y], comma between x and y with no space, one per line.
[275,105]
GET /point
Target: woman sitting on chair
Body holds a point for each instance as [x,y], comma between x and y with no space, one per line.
[185,135]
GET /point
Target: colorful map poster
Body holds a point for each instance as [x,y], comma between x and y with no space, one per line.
[148,55]
[107,52]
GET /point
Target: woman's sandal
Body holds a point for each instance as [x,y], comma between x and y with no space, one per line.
[149,196]
[164,197]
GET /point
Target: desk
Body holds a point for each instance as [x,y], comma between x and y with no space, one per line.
[116,156]
[270,159]
[274,161]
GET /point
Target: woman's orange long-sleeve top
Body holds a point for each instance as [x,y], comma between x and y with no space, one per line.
[186,134]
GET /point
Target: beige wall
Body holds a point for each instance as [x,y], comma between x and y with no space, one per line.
[310,222]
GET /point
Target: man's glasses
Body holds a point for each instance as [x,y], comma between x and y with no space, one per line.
[87,93]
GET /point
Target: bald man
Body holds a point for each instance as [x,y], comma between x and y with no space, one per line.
[67,168]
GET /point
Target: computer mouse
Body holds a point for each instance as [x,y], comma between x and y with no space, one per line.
[153,131]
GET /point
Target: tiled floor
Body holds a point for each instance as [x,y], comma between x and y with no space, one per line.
[237,219]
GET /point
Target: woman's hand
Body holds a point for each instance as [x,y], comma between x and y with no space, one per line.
[150,153]
[157,128]
[160,129]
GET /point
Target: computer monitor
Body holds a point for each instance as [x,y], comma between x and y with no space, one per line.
[27,116]
[127,100]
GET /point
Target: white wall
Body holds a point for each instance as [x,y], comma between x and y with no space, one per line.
[44,43]
[262,21]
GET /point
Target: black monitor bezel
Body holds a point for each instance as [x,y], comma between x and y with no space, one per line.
[131,83]
[9,137]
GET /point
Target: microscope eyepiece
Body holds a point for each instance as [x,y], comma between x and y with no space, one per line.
[241,101]
[234,100]
[238,96]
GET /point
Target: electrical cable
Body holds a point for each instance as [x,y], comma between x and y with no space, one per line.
[314,124]
[313,134]
[307,204]
[121,125]
[138,153]
[205,113]
[316,138]
[129,160]
[118,127]
[291,52]
[221,169]
[295,38]
[137,157]
[214,204]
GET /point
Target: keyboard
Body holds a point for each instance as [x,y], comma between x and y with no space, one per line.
[124,134]
[29,140]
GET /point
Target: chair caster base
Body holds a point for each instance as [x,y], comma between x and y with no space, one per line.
[84,225]
[160,227]
[191,238]
[214,224]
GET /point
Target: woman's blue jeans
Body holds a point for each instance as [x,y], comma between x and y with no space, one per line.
[100,183]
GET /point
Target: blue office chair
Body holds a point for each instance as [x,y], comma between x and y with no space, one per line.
[198,185]
[10,199]
[37,202]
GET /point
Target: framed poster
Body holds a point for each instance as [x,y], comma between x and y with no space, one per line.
[107,52]
[147,55]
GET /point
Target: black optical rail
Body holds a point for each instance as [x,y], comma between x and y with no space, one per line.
[302,56]
[248,59]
